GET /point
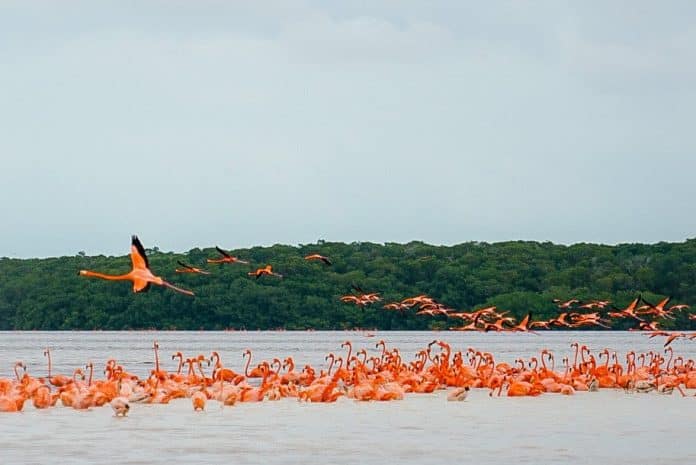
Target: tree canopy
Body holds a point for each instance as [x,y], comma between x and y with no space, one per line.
[516,276]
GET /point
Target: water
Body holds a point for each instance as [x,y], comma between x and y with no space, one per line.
[605,427]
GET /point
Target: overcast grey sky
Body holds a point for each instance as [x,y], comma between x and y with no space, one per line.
[211,122]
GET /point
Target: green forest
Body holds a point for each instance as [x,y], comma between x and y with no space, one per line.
[518,276]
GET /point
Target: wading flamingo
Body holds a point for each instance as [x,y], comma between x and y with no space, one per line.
[120,406]
[57,380]
[198,400]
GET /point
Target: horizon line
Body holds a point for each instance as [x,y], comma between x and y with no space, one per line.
[321,242]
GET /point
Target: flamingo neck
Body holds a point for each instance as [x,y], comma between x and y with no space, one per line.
[48,354]
[200,369]
[110,277]
[246,367]
[575,360]
[350,352]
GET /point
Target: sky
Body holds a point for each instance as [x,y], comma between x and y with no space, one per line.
[196,123]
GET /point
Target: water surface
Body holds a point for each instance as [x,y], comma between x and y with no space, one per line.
[605,427]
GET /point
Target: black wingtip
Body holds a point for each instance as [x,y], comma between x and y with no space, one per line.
[141,250]
[222,252]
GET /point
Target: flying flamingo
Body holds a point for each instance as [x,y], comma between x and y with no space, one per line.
[628,311]
[523,325]
[567,304]
[316,256]
[189,269]
[268,270]
[140,275]
[681,307]
[226,258]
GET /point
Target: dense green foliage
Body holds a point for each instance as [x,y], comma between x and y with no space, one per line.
[515,276]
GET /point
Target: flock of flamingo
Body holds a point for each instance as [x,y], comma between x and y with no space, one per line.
[381,377]
[384,376]
[485,319]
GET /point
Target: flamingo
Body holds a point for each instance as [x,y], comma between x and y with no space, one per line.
[316,256]
[157,372]
[658,310]
[140,275]
[198,400]
[523,326]
[226,258]
[41,398]
[189,269]
[628,311]
[470,327]
[12,403]
[57,380]
[458,394]
[224,374]
[567,304]
[267,270]
[350,351]
[254,373]
[120,405]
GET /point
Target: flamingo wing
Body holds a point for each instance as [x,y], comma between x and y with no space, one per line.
[138,256]
[224,254]
[632,306]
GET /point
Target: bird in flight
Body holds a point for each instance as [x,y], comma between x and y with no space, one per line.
[268,270]
[316,256]
[226,258]
[189,269]
[140,275]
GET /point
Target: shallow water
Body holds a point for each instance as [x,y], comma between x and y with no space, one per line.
[605,427]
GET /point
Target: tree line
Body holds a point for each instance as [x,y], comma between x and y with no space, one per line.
[517,276]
